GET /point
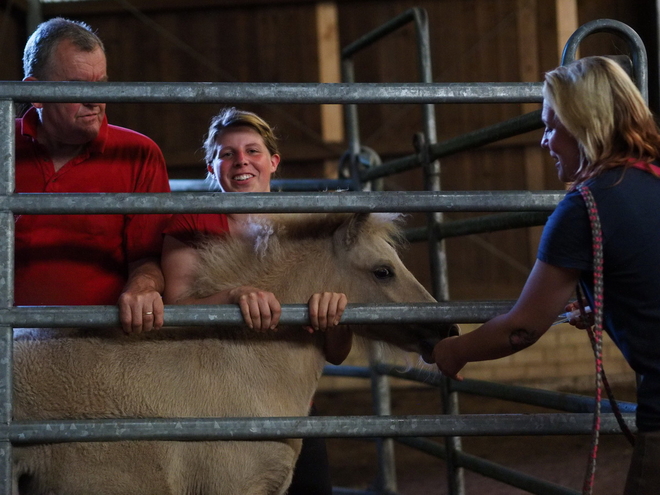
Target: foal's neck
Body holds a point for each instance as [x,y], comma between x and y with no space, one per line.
[239,222]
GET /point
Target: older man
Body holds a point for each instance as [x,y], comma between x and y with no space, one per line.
[70,147]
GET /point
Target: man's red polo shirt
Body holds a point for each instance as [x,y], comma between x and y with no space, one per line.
[83,259]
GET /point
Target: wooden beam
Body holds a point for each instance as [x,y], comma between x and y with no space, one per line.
[329,60]
[528,58]
[567,23]
[528,53]
[86,7]
[92,7]
[19,4]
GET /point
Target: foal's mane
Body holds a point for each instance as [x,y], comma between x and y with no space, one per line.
[273,243]
[306,226]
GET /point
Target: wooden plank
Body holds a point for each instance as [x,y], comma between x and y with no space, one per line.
[528,57]
[567,23]
[12,38]
[329,63]
[19,4]
[86,7]
[327,32]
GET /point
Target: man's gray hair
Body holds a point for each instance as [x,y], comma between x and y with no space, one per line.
[42,43]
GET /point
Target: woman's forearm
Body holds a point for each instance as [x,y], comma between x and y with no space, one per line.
[497,338]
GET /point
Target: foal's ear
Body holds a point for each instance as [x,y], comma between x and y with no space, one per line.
[349,232]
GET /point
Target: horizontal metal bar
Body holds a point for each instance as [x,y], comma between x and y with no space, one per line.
[111,430]
[487,468]
[487,135]
[234,93]
[391,167]
[380,32]
[537,397]
[489,223]
[352,491]
[347,371]
[229,314]
[513,393]
[280,185]
[511,477]
[425,445]
[375,201]
[468,141]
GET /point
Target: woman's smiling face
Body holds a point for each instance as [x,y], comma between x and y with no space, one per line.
[242,162]
[561,145]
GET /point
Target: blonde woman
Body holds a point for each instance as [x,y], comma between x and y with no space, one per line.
[601,135]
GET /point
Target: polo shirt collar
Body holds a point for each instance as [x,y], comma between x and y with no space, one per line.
[30,122]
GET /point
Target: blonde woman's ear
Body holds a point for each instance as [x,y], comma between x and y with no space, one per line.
[210,169]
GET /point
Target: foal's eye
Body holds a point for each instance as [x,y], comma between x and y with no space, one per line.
[383,272]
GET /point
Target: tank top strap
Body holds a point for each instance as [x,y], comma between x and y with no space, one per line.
[647,166]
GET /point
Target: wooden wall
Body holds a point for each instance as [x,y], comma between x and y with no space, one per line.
[280,41]
[12,39]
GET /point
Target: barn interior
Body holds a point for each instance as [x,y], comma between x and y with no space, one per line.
[301,41]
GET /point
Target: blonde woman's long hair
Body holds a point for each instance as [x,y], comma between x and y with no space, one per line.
[597,102]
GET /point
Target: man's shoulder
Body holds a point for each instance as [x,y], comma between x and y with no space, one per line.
[124,134]
[131,147]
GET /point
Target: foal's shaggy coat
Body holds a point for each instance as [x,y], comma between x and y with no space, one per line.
[207,372]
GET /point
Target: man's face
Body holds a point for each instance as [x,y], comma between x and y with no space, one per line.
[73,123]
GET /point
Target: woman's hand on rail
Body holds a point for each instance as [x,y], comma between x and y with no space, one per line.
[325,310]
[260,309]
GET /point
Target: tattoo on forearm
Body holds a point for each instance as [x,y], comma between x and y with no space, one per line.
[521,339]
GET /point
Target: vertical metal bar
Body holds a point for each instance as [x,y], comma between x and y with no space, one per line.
[431,168]
[437,254]
[7,180]
[351,118]
[380,388]
[634,41]
[6,287]
[352,131]
[34,16]
[382,399]
[5,406]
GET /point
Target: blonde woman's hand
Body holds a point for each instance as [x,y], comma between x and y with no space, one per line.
[576,319]
[446,357]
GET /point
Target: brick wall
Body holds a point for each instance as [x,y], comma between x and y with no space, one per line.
[562,359]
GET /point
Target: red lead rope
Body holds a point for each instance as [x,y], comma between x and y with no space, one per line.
[596,337]
[597,333]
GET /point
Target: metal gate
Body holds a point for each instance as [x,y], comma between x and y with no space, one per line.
[517,204]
